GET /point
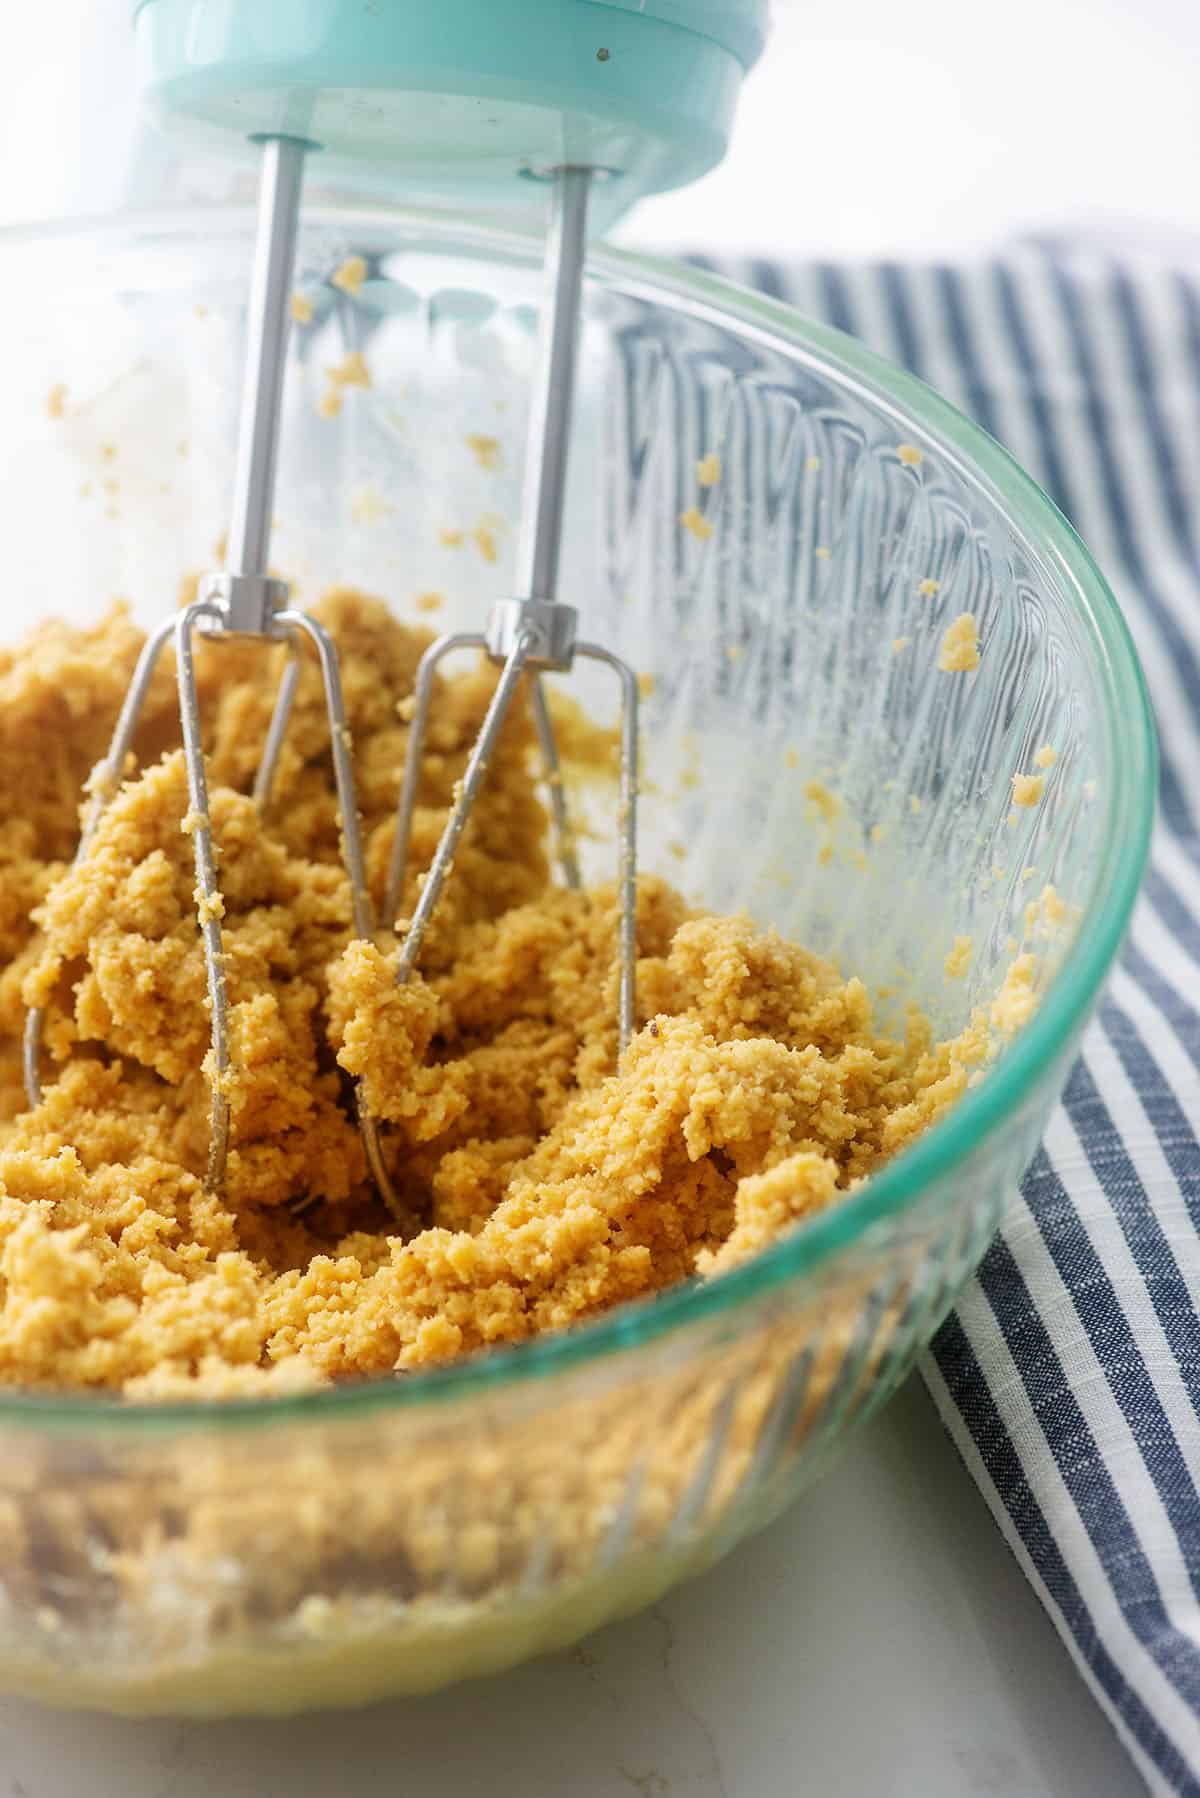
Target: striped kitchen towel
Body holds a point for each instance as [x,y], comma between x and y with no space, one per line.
[1069,1375]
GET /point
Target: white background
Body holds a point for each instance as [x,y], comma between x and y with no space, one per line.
[879,1640]
[871,125]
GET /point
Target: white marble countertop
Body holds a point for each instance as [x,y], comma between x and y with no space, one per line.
[877,1642]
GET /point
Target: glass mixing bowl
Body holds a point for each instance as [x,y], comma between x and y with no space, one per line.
[335,1547]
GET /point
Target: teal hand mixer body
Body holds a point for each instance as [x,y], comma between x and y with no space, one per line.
[462,102]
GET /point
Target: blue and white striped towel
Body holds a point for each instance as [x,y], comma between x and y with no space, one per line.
[1069,1376]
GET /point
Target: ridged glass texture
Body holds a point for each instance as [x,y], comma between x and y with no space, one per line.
[805,758]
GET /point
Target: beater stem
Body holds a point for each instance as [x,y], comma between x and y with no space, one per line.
[543,503]
[540,542]
[248,549]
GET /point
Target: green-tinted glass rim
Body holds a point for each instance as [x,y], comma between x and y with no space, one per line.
[1128,819]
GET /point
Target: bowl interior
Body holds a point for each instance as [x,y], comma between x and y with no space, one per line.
[805,756]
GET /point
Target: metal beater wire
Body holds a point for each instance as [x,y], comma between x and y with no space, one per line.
[533,633]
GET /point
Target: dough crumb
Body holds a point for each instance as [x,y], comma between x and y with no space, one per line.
[900,644]
[959,959]
[928,588]
[301,308]
[693,520]
[1047,915]
[351,371]
[351,275]
[56,400]
[910,455]
[708,469]
[430,602]
[368,506]
[1028,788]
[1046,756]
[486,450]
[1016,1001]
[960,646]
[827,804]
[449,538]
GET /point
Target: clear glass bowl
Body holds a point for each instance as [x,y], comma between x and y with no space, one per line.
[389,1537]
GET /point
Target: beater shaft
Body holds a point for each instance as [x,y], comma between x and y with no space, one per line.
[266,356]
[539,543]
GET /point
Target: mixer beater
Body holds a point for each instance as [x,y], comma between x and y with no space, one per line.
[535,633]
[472,98]
[244,601]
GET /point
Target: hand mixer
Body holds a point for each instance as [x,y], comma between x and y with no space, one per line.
[475,103]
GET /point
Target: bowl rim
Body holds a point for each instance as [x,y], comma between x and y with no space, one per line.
[1129,809]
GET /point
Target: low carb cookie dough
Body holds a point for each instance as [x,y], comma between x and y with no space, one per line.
[540,1184]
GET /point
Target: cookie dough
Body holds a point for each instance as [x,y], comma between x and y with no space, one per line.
[540,1184]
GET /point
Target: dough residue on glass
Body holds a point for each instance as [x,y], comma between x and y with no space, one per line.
[959,653]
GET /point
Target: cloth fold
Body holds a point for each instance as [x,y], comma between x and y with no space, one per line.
[1069,1375]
